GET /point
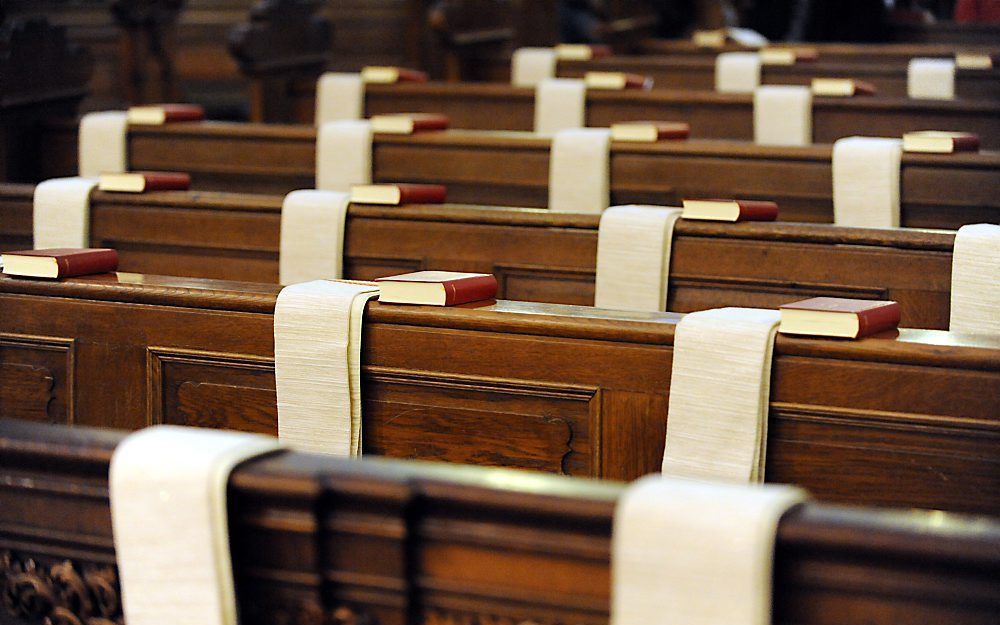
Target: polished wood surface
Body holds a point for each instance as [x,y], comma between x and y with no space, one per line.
[906,420]
[324,540]
[535,254]
[870,53]
[711,115]
[512,169]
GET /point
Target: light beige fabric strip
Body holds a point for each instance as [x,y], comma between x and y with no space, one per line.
[530,66]
[344,155]
[317,365]
[560,104]
[975,280]
[61,212]
[103,143]
[720,386]
[688,553]
[171,534]
[931,79]
[633,257]
[579,171]
[312,236]
[339,97]
[737,72]
[782,115]
[866,180]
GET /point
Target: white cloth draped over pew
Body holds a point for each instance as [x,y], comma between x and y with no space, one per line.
[317,365]
[339,97]
[343,155]
[61,213]
[782,115]
[579,171]
[737,72]
[560,104]
[312,236]
[531,66]
[866,182]
[931,79]
[975,280]
[103,143]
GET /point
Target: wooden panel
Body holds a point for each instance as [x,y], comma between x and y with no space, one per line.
[36,378]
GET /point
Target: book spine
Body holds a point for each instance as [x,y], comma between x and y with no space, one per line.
[638,81]
[672,132]
[183,113]
[97,261]
[411,75]
[167,181]
[758,211]
[422,194]
[864,88]
[878,319]
[431,123]
[969,143]
[470,290]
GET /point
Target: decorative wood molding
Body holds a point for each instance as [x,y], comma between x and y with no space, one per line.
[64,593]
[42,375]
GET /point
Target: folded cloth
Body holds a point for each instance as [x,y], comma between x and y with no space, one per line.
[343,155]
[339,96]
[317,365]
[866,182]
[560,103]
[720,385]
[688,553]
[168,512]
[931,79]
[312,236]
[103,143]
[530,66]
[737,72]
[633,257]
[579,171]
[975,280]
[782,115]
[61,212]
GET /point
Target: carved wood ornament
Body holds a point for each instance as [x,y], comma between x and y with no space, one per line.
[66,593]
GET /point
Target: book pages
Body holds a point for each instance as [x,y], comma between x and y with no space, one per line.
[560,104]
[312,236]
[633,257]
[169,516]
[737,72]
[339,96]
[103,143]
[317,357]
[579,171]
[343,155]
[691,553]
[782,115]
[530,66]
[720,385]
[61,212]
[931,79]
[866,182]
[975,280]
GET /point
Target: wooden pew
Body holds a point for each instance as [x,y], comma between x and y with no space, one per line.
[711,115]
[536,255]
[325,540]
[512,169]
[908,420]
[872,53]
[699,74]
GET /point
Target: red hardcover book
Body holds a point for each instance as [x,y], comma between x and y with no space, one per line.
[730,210]
[400,193]
[650,132]
[940,142]
[582,51]
[616,81]
[387,75]
[839,317]
[409,123]
[437,288]
[59,262]
[841,87]
[158,114]
[142,181]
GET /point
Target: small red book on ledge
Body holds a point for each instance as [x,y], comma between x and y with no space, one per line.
[142,181]
[409,123]
[730,210]
[582,51]
[395,194]
[59,262]
[159,114]
[616,81]
[841,87]
[839,317]
[386,75]
[437,288]
[649,132]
